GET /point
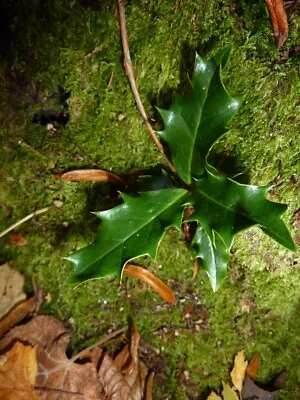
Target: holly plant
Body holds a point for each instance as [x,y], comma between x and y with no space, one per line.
[215,205]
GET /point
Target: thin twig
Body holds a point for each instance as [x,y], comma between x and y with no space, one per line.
[14,226]
[130,75]
[101,341]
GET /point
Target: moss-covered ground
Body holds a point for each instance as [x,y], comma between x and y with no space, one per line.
[44,44]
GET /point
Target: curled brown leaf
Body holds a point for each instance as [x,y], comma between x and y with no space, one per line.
[253,366]
[91,175]
[279,21]
[16,239]
[150,279]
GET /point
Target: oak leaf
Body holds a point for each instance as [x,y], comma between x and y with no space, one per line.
[18,370]
[97,377]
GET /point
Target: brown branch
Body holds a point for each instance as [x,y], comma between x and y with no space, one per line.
[17,224]
[130,75]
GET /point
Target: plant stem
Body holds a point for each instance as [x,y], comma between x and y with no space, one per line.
[130,75]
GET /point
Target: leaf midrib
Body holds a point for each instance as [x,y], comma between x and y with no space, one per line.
[201,108]
[255,222]
[234,211]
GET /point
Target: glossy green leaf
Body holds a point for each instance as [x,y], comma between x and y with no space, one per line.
[132,229]
[214,255]
[224,207]
[192,125]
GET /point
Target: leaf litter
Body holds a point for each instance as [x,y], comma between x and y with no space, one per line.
[244,387]
[34,364]
[96,377]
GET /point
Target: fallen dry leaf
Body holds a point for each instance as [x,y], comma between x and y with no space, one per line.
[11,288]
[92,175]
[16,239]
[147,277]
[133,370]
[55,371]
[97,377]
[17,314]
[252,391]
[18,370]
[228,393]
[239,370]
[253,366]
[279,21]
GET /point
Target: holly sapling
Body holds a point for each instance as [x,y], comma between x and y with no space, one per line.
[221,207]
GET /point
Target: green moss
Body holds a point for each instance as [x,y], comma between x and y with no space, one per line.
[257,306]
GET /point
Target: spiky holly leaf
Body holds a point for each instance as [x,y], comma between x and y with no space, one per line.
[130,230]
[192,125]
[224,207]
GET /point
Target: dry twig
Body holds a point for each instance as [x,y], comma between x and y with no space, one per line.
[130,75]
[17,224]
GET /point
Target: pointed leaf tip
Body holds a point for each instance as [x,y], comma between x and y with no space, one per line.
[192,125]
[130,230]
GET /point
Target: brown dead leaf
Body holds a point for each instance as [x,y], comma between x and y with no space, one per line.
[252,391]
[188,227]
[279,21]
[239,370]
[55,371]
[17,314]
[16,239]
[147,277]
[296,220]
[92,175]
[97,377]
[133,370]
[11,288]
[253,366]
[18,370]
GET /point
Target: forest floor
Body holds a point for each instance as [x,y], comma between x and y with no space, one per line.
[67,56]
